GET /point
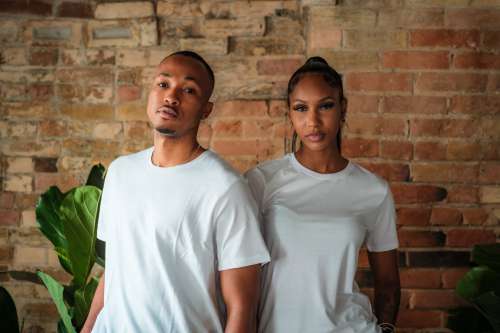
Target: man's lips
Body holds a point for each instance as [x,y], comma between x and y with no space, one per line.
[167,112]
[315,137]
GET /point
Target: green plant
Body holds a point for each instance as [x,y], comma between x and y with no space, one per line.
[481,288]
[8,321]
[69,221]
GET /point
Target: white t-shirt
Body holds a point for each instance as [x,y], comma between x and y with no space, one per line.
[168,231]
[314,225]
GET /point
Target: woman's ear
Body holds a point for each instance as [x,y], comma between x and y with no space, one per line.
[343,110]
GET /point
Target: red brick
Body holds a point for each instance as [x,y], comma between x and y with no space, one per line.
[444,127]
[445,38]
[465,82]
[75,9]
[491,40]
[434,299]
[397,150]
[419,319]
[379,82]
[357,147]
[413,216]
[240,108]
[493,83]
[278,66]
[389,171]
[227,128]
[9,217]
[420,238]
[394,126]
[65,182]
[6,200]
[489,173]
[474,216]
[34,7]
[362,104]
[41,91]
[357,123]
[259,128]
[469,237]
[43,57]
[420,278]
[429,172]
[129,93]
[416,59]
[411,193]
[52,128]
[278,108]
[474,60]
[463,194]
[450,277]
[475,104]
[6,254]
[239,147]
[430,150]
[446,216]
[473,18]
[463,151]
[414,104]
[490,151]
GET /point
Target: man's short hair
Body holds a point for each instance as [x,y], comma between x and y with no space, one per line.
[199,58]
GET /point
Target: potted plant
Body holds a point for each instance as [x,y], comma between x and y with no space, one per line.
[69,221]
[481,288]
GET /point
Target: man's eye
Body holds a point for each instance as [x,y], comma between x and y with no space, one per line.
[189,90]
[162,84]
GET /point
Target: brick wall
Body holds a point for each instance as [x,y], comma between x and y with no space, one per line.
[422,78]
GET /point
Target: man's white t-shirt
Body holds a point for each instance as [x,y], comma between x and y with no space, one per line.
[314,225]
[168,232]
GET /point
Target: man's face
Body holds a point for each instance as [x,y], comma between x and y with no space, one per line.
[178,98]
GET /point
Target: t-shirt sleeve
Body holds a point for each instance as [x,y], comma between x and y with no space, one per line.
[383,236]
[256,183]
[104,205]
[238,238]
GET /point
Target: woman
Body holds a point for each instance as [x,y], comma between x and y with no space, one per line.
[318,209]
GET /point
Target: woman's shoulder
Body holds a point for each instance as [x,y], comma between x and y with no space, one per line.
[366,179]
[268,169]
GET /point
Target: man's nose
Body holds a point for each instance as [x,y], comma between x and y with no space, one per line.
[171,98]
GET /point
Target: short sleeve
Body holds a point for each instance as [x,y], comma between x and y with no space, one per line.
[256,183]
[104,205]
[383,236]
[238,237]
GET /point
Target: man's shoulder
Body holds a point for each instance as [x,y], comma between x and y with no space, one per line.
[217,170]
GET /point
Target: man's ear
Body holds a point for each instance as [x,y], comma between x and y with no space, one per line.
[208,109]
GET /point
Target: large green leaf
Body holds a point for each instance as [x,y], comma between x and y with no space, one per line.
[50,224]
[477,281]
[8,321]
[96,176]
[487,255]
[78,214]
[56,292]
[489,305]
[83,300]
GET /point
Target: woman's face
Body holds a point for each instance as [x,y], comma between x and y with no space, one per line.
[316,112]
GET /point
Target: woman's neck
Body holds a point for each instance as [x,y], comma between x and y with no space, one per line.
[329,161]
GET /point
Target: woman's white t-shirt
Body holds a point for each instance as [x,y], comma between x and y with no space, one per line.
[314,225]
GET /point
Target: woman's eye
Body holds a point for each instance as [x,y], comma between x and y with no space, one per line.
[162,84]
[327,106]
[300,108]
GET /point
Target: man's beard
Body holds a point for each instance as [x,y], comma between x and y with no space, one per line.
[166,132]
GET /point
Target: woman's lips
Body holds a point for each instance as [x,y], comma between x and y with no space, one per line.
[315,137]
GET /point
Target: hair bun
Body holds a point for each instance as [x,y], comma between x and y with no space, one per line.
[315,61]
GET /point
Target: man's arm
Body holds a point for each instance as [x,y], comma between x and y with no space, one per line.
[384,266]
[95,308]
[240,290]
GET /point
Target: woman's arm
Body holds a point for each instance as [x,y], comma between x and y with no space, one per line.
[384,266]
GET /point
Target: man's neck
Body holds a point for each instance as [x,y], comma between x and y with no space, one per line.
[172,151]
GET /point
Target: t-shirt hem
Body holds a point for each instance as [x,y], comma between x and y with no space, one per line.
[259,259]
[388,247]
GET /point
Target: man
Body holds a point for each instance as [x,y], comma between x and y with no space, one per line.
[183,246]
